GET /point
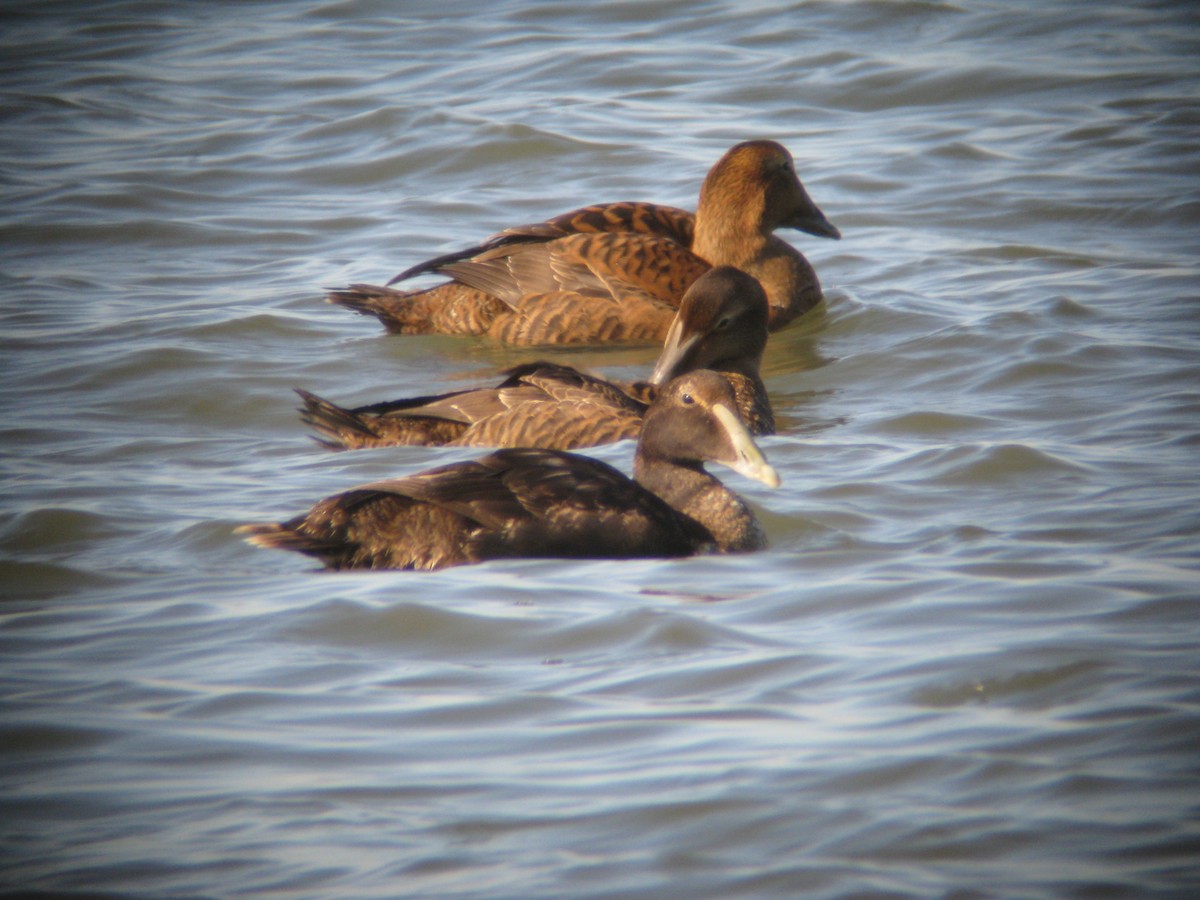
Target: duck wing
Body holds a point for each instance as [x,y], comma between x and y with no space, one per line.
[599,265]
[547,503]
[565,383]
[539,409]
[636,217]
[538,404]
[631,216]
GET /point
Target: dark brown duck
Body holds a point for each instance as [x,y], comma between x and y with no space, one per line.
[617,272]
[721,324]
[548,503]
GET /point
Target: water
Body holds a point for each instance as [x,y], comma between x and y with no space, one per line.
[968,664]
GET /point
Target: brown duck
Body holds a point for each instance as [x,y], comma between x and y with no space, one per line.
[721,324]
[548,503]
[617,272]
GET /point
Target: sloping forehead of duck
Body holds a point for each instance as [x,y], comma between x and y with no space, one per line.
[716,287]
[762,150]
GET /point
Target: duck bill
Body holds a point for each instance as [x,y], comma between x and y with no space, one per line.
[811,220]
[748,459]
[675,355]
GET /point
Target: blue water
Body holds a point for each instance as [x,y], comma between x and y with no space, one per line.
[966,667]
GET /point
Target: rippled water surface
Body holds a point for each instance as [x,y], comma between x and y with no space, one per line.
[967,666]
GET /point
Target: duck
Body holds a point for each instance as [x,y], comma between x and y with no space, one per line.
[721,325]
[533,502]
[538,404]
[616,272]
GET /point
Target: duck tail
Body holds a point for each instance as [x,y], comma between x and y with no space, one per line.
[263,534]
[391,307]
[291,536]
[449,308]
[277,536]
[337,428]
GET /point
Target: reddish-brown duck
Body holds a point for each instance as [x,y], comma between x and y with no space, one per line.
[617,272]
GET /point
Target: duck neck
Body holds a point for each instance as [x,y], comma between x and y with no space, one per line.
[747,243]
[725,240]
[689,489]
[746,366]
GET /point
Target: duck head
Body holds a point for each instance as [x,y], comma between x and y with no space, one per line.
[761,176]
[721,324]
[694,420]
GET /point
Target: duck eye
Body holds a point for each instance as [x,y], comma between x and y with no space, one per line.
[723,324]
[687,399]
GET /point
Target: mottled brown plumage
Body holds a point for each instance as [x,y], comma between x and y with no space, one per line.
[632,216]
[539,404]
[721,324]
[547,503]
[616,272]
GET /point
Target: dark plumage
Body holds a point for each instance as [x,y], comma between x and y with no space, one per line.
[721,324]
[548,503]
[616,272]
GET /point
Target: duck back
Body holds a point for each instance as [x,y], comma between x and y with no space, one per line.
[512,503]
